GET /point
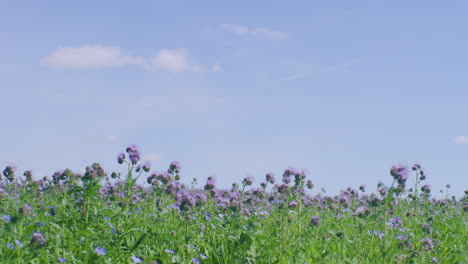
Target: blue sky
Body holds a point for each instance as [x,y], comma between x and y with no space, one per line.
[343,89]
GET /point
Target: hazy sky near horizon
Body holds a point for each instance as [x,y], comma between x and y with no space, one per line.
[343,89]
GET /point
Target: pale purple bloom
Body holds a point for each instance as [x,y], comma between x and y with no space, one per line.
[196,261]
[315,221]
[399,173]
[7,218]
[100,251]
[10,246]
[62,260]
[203,256]
[169,251]
[136,259]
[18,243]
[38,239]
[377,233]
[120,158]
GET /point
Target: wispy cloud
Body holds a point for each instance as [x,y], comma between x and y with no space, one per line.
[89,57]
[244,30]
[461,140]
[99,57]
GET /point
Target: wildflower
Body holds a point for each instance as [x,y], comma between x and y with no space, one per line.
[25,209]
[402,237]
[133,154]
[210,184]
[426,189]
[147,167]
[427,228]
[174,167]
[203,256]
[247,181]
[310,185]
[100,251]
[196,261]
[136,259]
[270,178]
[362,211]
[377,233]
[435,260]
[428,243]
[9,172]
[63,260]
[120,158]
[315,221]
[38,239]
[395,222]
[10,246]
[399,173]
[18,243]
[169,251]
[7,218]
[362,188]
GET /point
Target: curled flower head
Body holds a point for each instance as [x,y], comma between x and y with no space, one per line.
[121,158]
[315,221]
[247,181]
[38,239]
[133,154]
[9,172]
[399,173]
[270,178]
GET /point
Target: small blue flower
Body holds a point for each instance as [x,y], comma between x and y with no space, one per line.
[169,251]
[136,259]
[10,246]
[63,260]
[39,224]
[100,251]
[18,243]
[7,218]
[196,261]
[203,256]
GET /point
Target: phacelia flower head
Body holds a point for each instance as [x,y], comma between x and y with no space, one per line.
[315,221]
[38,239]
[399,173]
[247,181]
[147,167]
[121,158]
[174,167]
[100,251]
[270,178]
[9,172]
[133,154]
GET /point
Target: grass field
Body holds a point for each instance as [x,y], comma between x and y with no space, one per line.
[100,217]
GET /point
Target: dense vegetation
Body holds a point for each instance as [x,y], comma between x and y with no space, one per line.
[101,218]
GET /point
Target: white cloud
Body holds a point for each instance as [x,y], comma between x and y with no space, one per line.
[243,30]
[461,140]
[174,60]
[89,57]
[98,57]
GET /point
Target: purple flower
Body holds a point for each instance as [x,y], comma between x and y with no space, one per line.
[426,189]
[100,251]
[247,181]
[10,246]
[315,221]
[270,178]
[136,259]
[133,154]
[7,218]
[169,251]
[9,172]
[174,167]
[402,237]
[38,239]
[203,256]
[399,173]
[196,261]
[18,243]
[428,243]
[147,167]
[121,158]
[377,233]
[62,260]
[395,222]
[210,184]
